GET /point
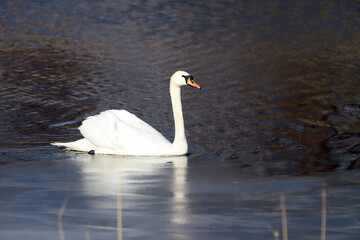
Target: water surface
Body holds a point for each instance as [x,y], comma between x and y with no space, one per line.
[278,113]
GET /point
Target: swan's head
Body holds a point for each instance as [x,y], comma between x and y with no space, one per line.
[182,78]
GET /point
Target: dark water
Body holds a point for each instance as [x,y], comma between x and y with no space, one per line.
[278,113]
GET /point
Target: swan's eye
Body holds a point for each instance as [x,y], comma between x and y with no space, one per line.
[188,77]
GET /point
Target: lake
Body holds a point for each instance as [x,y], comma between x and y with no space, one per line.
[277,118]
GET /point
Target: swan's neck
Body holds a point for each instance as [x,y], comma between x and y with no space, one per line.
[179,144]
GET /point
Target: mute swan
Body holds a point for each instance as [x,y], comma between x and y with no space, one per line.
[120,132]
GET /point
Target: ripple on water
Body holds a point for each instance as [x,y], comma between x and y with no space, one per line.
[275,97]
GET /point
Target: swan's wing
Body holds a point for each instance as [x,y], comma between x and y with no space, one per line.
[123,131]
[133,120]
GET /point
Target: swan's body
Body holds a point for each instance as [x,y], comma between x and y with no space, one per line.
[120,132]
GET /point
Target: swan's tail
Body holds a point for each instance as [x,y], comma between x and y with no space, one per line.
[59,144]
[79,145]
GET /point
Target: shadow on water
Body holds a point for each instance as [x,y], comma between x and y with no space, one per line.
[278,113]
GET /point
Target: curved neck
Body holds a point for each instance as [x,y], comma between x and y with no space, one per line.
[179,143]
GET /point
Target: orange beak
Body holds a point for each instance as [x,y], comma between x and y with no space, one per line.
[192,84]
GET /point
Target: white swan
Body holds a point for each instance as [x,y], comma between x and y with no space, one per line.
[120,132]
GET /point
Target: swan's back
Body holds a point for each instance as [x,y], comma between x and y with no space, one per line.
[120,132]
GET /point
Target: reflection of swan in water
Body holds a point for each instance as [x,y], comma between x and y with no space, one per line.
[105,175]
